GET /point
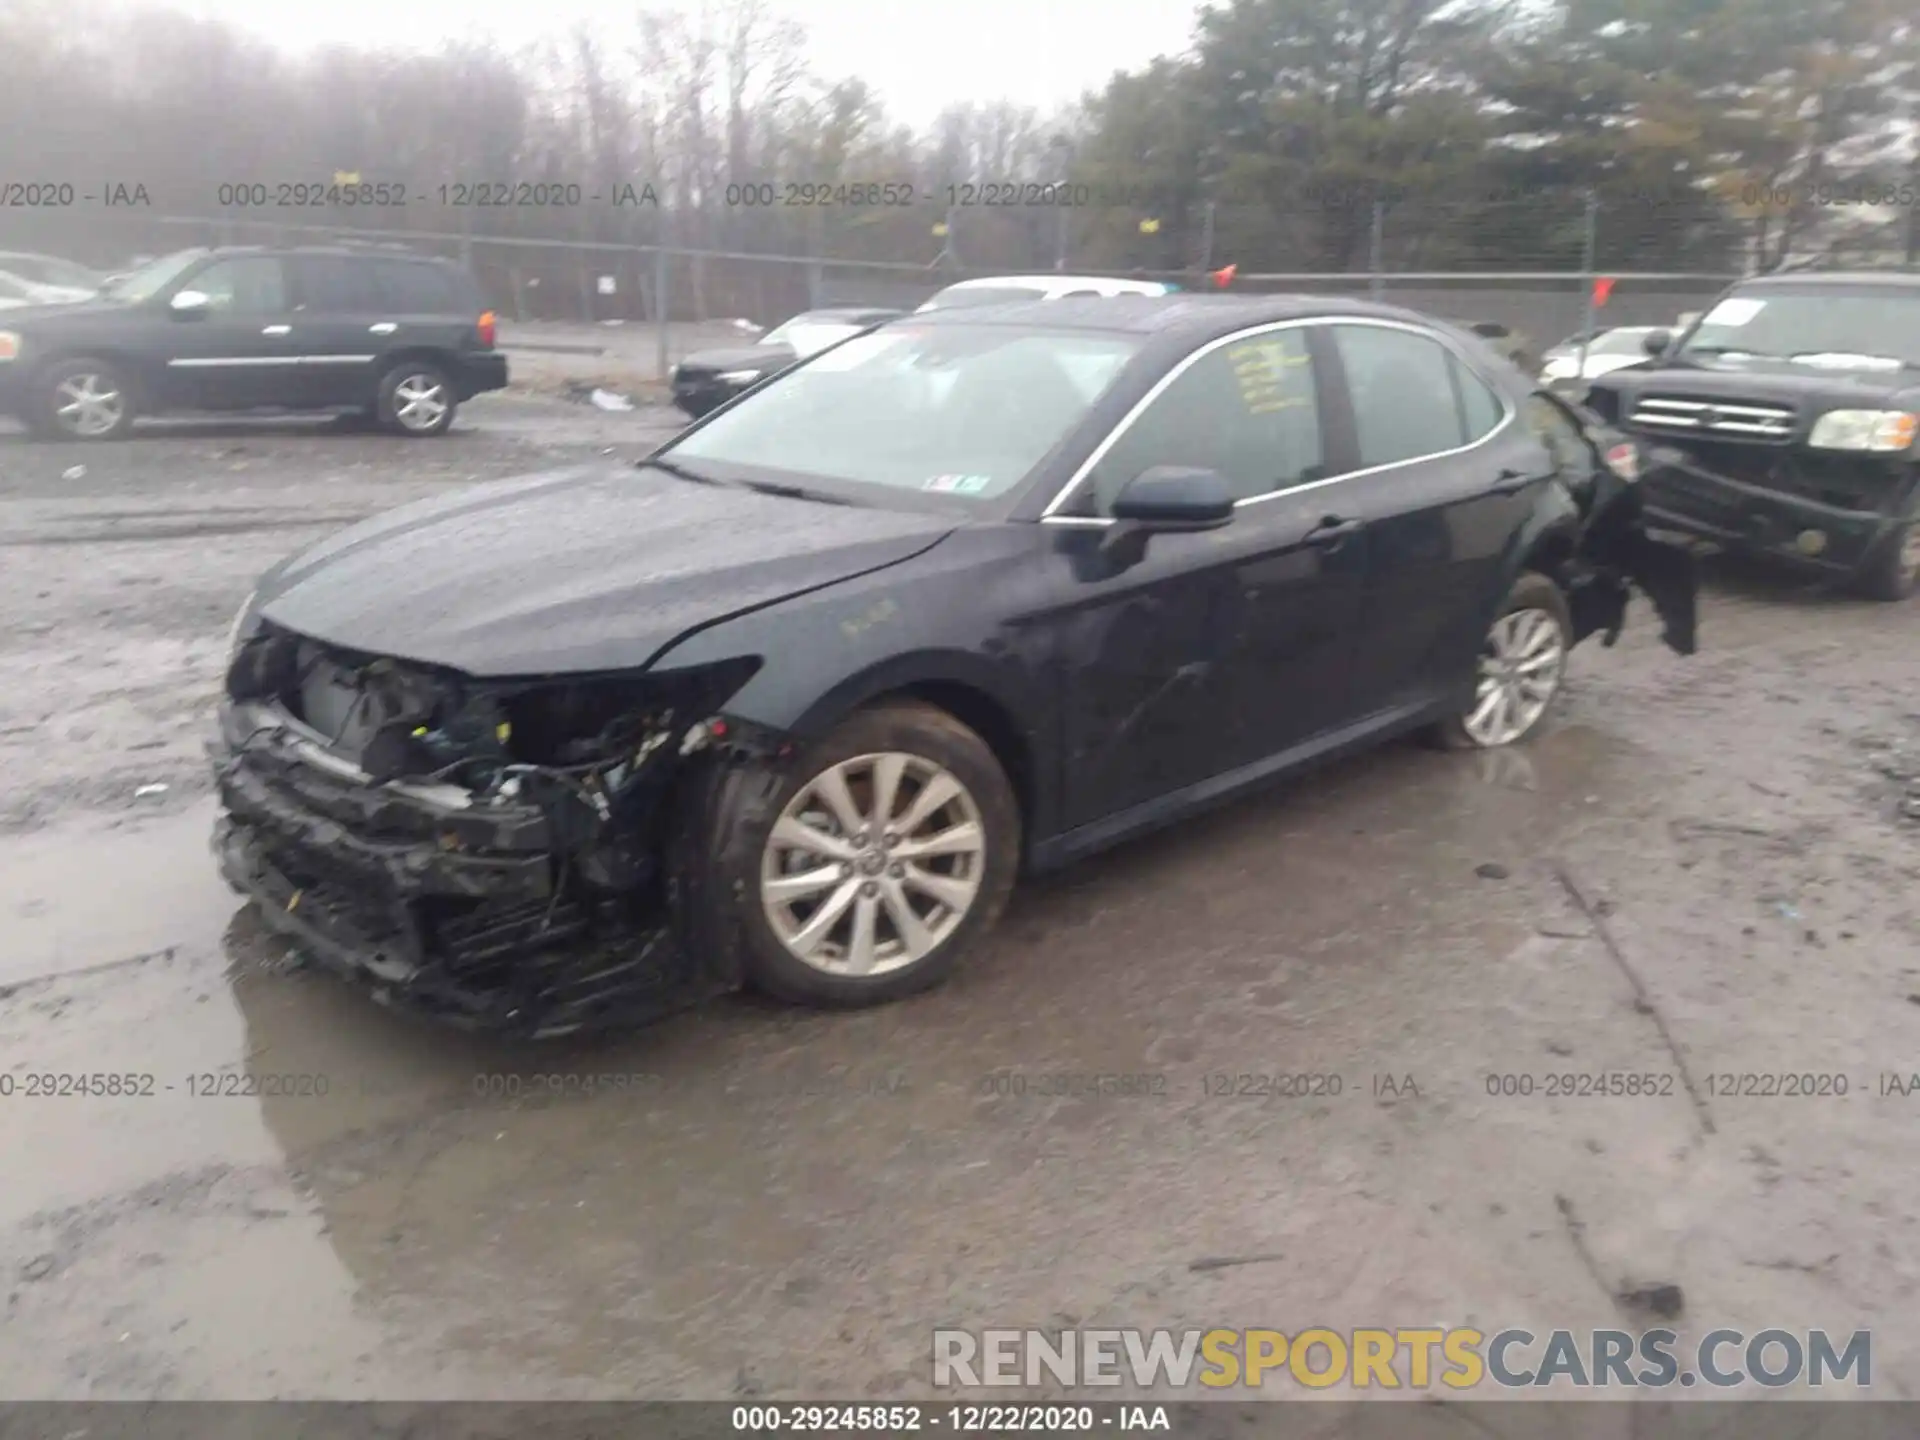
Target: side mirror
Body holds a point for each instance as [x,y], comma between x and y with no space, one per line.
[1166,499]
[1656,343]
[190,304]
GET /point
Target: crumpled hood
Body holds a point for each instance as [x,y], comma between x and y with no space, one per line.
[598,567]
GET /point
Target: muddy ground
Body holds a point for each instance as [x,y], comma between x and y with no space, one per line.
[1701,871]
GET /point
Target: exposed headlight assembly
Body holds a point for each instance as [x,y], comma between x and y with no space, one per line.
[740,377]
[1883,431]
[9,345]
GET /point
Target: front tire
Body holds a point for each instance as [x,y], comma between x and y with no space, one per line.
[416,399]
[1893,573]
[82,399]
[1521,670]
[883,855]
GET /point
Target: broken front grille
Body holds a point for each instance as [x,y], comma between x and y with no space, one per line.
[1678,415]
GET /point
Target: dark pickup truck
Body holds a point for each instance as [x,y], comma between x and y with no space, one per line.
[1784,422]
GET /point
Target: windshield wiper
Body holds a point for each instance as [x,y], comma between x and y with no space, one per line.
[793,492]
[678,471]
[1725,350]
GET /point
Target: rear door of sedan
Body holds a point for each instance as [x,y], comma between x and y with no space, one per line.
[1443,476]
[1214,651]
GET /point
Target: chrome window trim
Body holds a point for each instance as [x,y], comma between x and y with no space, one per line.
[1508,414]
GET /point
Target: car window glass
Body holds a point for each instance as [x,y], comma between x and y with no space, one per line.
[1247,410]
[253,285]
[1403,397]
[331,284]
[1479,407]
[409,287]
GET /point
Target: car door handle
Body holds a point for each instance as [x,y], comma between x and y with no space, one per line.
[1510,482]
[385,327]
[276,330]
[1332,532]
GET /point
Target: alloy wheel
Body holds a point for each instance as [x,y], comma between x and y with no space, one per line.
[1910,553]
[88,404]
[419,401]
[873,864]
[1521,667]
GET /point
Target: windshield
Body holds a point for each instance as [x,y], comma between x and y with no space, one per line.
[809,337]
[153,277]
[982,295]
[959,410]
[1832,324]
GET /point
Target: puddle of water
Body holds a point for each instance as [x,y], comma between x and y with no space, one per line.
[71,900]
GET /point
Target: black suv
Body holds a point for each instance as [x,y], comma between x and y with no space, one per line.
[399,337]
[1784,422]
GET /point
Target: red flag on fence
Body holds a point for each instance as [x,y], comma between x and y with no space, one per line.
[1602,287]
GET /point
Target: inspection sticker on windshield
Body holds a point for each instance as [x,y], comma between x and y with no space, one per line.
[1734,312]
[958,484]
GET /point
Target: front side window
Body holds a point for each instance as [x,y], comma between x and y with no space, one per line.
[1248,410]
[250,285]
[1402,386]
[961,410]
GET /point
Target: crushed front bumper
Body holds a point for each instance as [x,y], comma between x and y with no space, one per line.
[1685,497]
[437,904]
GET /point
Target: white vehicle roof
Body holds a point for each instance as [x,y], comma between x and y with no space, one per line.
[1056,285]
[1053,287]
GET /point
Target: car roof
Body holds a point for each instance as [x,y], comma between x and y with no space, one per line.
[1198,317]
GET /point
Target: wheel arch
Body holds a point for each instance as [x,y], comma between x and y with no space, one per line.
[139,372]
[965,686]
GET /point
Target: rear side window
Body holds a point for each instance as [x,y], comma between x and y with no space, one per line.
[335,285]
[1402,384]
[416,288]
[1480,408]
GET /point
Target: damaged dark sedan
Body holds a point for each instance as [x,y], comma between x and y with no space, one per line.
[792,703]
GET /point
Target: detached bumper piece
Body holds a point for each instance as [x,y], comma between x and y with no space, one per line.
[458,913]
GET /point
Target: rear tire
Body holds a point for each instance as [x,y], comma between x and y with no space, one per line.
[1520,672]
[82,399]
[1893,572]
[843,899]
[416,399]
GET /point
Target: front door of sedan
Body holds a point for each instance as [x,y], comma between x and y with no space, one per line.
[1212,651]
[235,351]
[1444,478]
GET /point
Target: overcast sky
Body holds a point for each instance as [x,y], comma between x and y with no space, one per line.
[920,55]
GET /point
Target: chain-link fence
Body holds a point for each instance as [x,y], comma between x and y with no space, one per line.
[667,280]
